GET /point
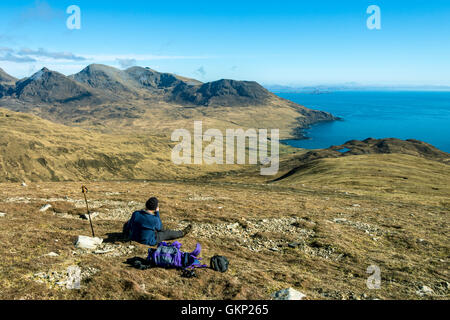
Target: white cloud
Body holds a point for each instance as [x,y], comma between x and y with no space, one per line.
[14,58]
[42,53]
[126,63]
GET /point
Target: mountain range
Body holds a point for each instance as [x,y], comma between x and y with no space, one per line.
[139,97]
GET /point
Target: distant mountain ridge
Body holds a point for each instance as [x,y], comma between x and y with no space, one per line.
[319,89]
[97,84]
[109,84]
[141,97]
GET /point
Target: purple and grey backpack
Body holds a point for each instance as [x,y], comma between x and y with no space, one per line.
[168,255]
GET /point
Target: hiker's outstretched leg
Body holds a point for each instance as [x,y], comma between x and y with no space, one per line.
[168,235]
[172,234]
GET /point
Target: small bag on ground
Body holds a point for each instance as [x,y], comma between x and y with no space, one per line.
[219,263]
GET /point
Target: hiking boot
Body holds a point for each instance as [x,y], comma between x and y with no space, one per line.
[187,230]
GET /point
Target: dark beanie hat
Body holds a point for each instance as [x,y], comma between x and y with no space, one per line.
[152,203]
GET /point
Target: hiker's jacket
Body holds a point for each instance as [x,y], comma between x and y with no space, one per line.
[143,226]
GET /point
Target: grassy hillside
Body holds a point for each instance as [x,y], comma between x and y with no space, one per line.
[33,149]
[388,176]
[317,240]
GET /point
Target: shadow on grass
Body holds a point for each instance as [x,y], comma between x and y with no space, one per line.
[116,237]
[138,263]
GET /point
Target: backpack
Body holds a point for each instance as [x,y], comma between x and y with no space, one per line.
[219,263]
[168,255]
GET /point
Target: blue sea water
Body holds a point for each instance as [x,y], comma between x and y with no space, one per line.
[421,115]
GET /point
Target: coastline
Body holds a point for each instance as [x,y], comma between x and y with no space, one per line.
[299,133]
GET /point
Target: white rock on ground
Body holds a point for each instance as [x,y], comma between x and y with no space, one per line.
[288,294]
[86,217]
[2,214]
[52,254]
[84,242]
[425,290]
[24,184]
[45,208]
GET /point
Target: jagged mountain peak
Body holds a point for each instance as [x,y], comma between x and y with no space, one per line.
[6,78]
[48,86]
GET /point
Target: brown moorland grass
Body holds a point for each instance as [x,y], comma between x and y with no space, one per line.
[338,236]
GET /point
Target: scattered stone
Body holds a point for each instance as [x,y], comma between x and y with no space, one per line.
[68,279]
[425,290]
[288,294]
[200,198]
[114,250]
[2,214]
[356,205]
[103,251]
[45,208]
[52,254]
[233,226]
[84,242]
[244,232]
[274,249]
[293,245]
[24,184]
[86,217]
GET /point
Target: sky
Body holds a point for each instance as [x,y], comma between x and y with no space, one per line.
[273,42]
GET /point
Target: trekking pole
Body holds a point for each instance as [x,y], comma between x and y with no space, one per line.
[85,190]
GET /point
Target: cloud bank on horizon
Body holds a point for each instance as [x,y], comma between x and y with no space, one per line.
[288,43]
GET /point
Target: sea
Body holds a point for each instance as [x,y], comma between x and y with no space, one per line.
[420,115]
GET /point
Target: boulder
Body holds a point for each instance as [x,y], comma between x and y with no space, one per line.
[288,294]
[89,243]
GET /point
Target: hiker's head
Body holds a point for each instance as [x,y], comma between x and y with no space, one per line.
[151,204]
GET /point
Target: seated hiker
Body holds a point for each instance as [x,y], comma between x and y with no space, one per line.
[145,226]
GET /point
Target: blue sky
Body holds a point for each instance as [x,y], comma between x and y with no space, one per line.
[272,42]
